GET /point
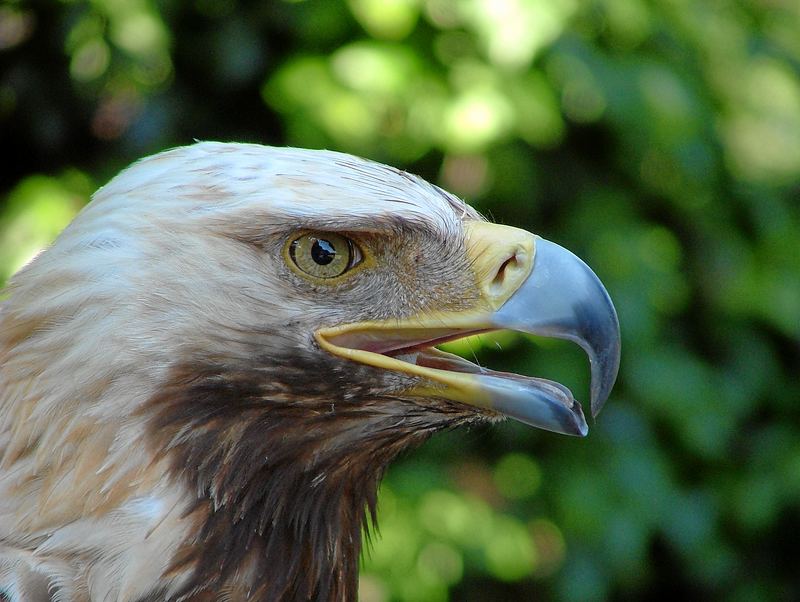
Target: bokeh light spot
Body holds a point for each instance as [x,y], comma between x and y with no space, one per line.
[386,19]
[90,60]
[517,476]
[477,118]
[510,554]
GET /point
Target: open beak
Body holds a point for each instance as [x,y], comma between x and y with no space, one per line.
[527,284]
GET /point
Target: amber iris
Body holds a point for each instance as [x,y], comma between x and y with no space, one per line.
[324,255]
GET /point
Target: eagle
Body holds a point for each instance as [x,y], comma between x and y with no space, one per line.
[205,377]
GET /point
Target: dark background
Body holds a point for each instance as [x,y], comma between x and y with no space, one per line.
[660,141]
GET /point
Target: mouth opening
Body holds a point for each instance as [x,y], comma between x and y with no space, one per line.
[393,343]
[424,353]
[413,351]
[428,344]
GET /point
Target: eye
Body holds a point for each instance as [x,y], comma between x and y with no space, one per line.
[324,254]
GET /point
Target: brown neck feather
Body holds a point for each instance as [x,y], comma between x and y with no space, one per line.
[286,470]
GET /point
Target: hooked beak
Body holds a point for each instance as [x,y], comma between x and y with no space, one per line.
[564,299]
[527,284]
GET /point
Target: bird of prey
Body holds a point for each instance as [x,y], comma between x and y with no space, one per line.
[203,380]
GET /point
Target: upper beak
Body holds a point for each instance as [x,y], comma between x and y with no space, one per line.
[563,298]
[527,284]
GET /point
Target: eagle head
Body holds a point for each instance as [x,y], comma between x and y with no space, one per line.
[204,378]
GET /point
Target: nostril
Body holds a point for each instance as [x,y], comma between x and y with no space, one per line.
[508,267]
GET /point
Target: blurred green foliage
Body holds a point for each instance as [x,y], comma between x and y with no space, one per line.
[658,140]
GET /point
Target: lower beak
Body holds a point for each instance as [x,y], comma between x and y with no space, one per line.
[532,286]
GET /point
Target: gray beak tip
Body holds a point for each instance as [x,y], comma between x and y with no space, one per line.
[602,344]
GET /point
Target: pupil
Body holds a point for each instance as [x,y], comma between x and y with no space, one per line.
[322,252]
